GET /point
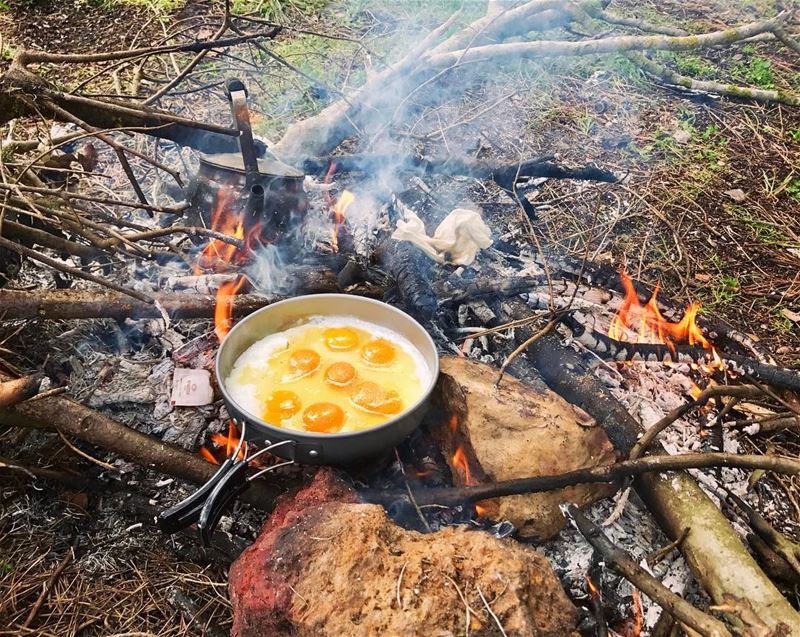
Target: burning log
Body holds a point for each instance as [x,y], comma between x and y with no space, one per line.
[490,433]
[18,390]
[612,349]
[713,550]
[298,577]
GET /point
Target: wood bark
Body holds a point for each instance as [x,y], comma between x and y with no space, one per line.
[17,390]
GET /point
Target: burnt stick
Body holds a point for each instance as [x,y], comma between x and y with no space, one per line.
[612,349]
[622,563]
[454,496]
[17,390]
[504,175]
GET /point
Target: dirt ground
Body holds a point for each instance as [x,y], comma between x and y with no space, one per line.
[709,210]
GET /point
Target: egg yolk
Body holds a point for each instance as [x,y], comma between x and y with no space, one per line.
[340,374]
[282,404]
[340,338]
[378,352]
[372,397]
[323,417]
[304,361]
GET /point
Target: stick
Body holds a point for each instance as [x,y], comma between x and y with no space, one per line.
[13,392]
[454,496]
[49,586]
[69,417]
[621,563]
[36,256]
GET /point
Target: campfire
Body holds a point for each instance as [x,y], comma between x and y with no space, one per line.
[369,371]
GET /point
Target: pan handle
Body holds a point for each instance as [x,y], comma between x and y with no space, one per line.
[229,487]
[187,511]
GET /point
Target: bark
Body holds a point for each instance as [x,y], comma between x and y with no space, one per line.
[86,304]
[17,390]
[728,90]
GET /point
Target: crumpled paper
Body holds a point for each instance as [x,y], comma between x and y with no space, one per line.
[457,240]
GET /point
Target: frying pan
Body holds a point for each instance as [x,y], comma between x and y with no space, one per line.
[205,506]
[320,448]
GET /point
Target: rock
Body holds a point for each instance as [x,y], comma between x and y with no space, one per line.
[324,567]
[736,194]
[516,431]
[682,136]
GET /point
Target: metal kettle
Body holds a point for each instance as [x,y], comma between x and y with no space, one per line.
[269,191]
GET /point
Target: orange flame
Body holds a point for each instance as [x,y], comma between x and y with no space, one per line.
[223,311]
[593,590]
[345,200]
[637,323]
[460,463]
[228,442]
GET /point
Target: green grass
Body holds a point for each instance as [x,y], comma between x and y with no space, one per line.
[724,291]
[793,189]
[756,71]
[278,10]
[763,231]
[693,66]
[160,7]
[794,135]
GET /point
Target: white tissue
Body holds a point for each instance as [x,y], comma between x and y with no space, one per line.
[457,240]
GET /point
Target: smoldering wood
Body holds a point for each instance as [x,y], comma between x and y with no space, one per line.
[411,270]
[622,563]
[713,550]
[86,304]
[504,175]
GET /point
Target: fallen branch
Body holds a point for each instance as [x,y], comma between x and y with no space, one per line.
[69,417]
[455,496]
[621,563]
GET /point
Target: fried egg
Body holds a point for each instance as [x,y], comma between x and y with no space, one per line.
[329,374]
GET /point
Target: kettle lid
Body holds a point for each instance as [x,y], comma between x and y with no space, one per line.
[268,165]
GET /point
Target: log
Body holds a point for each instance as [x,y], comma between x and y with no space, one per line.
[86,304]
[713,550]
[72,418]
[17,390]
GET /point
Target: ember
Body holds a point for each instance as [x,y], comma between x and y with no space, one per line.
[227,442]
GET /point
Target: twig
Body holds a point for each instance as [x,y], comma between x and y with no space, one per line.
[737,391]
[49,586]
[18,390]
[621,563]
[36,256]
[525,345]
[656,556]
[85,455]
[491,612]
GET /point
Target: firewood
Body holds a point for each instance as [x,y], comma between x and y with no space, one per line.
[17,390]
[713,549]
[69,417]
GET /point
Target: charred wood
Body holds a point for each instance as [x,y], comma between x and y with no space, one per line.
[622,563]
[713,549]
[411,271]
[504,175]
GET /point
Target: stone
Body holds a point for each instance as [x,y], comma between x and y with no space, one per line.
[515,430]
[737,194]
[325,566]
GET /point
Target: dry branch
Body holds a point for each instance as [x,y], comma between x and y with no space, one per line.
[70,417]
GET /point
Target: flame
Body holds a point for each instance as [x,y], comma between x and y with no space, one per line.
[593,590]
[637,323]
[223,311]
[345,200]
[632,626]
[228,442]
[460,463]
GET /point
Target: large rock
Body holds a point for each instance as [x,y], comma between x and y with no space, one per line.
[336,568]
[516,431]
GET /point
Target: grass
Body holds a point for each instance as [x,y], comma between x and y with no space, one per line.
[693,65]
[724,291]
[278,10]
[756,71]
[764,232]
[160,7]
[793,189]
